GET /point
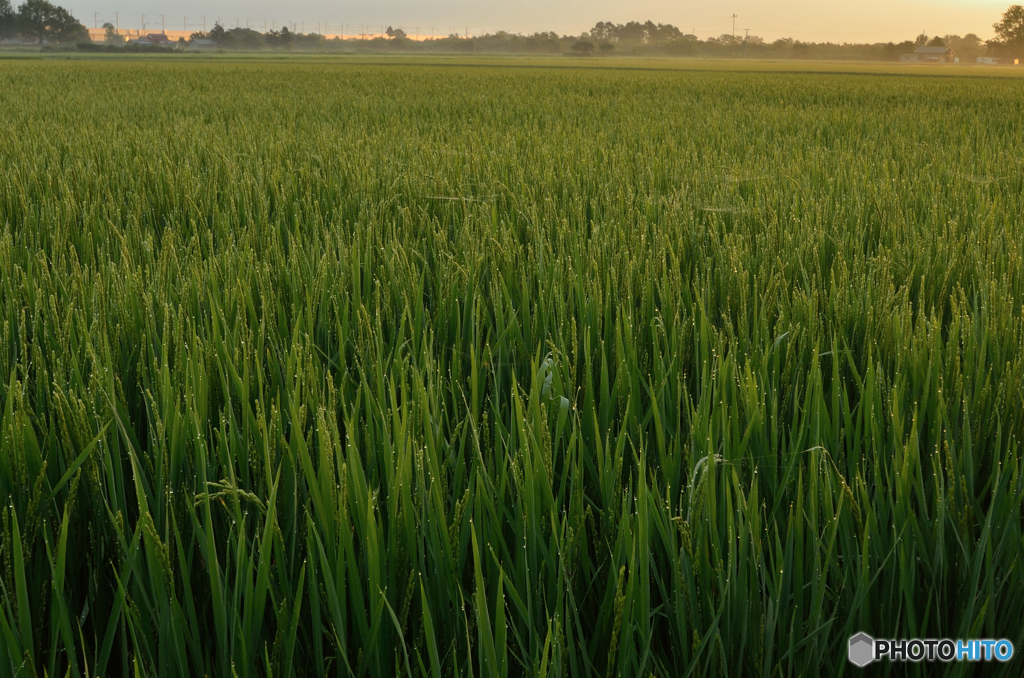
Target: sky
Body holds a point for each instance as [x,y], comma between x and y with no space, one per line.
[807,20]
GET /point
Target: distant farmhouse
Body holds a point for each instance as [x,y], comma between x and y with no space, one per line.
[154,40]
[929,55]
[201,44]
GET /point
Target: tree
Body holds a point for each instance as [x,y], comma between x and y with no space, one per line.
[921,40]
[285,38]
[967,48]
[583,48]
[971,41]
[248,38]
[110,34]
[45,21]
[726,39]
[279,39]
[7,27]
[937,42]
[604,32]
[220,36]
[1010,30]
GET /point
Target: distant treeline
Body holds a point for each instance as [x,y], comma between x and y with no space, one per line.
[40,21]
[650,38]
[605,38]
[46,24]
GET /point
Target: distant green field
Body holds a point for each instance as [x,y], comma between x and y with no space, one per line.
[360,367]
[364,57]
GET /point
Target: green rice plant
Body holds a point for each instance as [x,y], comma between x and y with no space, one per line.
[339,368]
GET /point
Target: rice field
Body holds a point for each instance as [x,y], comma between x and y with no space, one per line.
[461,369]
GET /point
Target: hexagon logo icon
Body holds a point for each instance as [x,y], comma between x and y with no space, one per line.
[862,650]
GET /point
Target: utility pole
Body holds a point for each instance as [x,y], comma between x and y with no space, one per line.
[117,23]
[745,38]
[95,19]
[143,22]
[734,25]
[204,25]
[163,23]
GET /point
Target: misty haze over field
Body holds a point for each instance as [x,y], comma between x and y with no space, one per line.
[808,20]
